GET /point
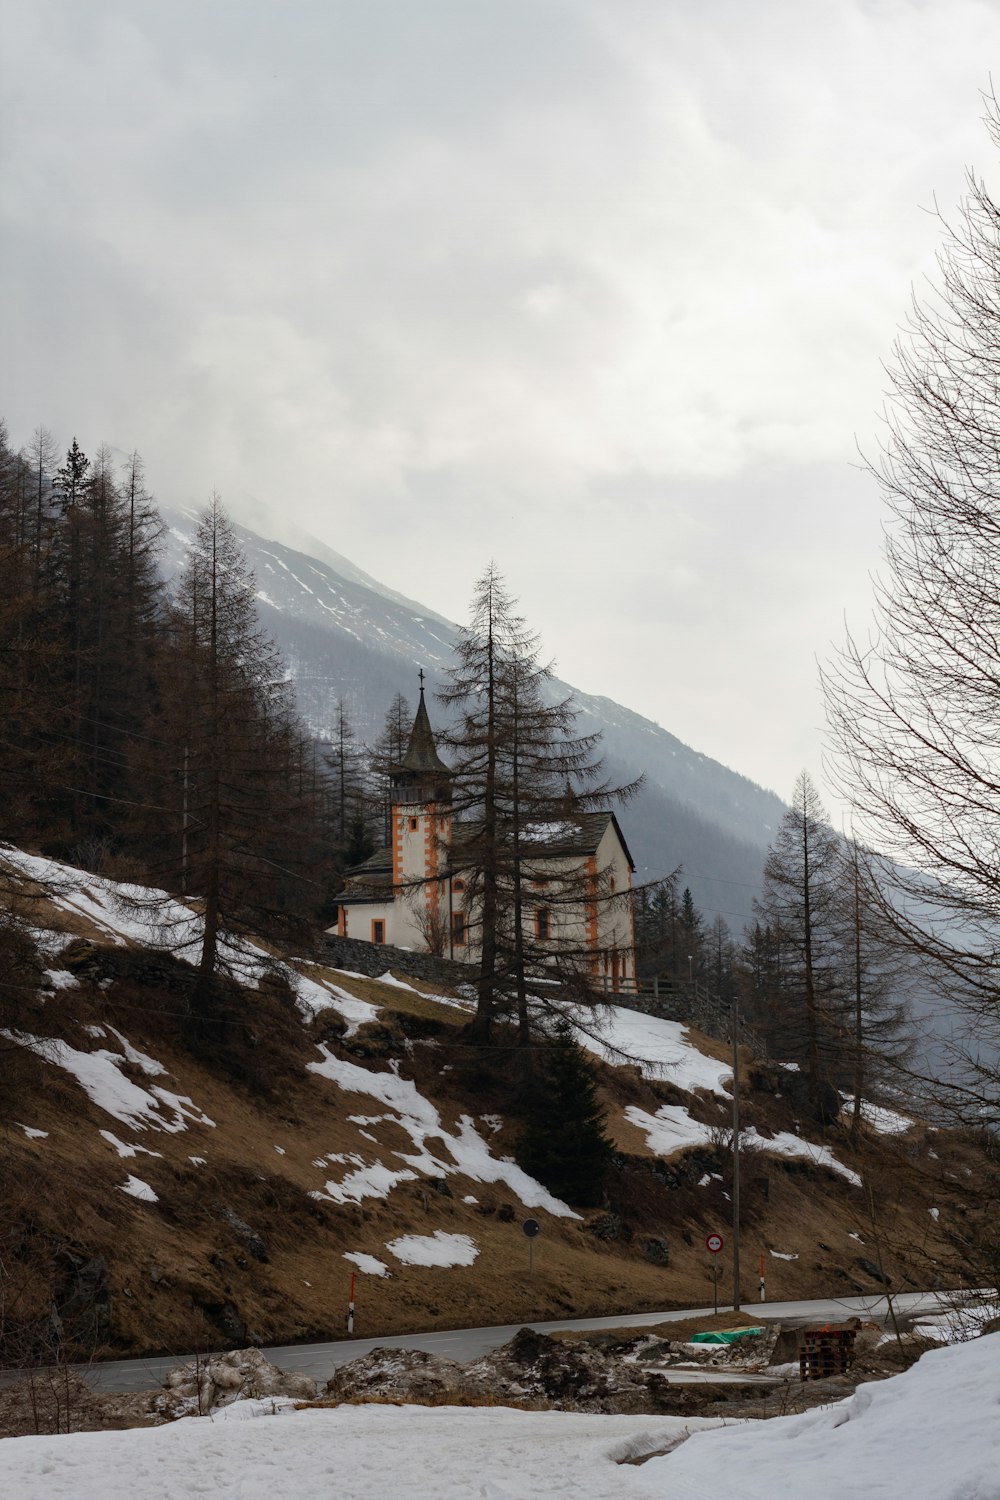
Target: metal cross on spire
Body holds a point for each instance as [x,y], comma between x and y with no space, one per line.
[420,674]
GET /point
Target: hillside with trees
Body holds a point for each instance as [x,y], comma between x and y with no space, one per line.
[190,1085]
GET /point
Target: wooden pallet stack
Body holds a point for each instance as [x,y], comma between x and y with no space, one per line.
[826,1351]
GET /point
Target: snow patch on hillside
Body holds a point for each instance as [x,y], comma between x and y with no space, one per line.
[662,1049]
[99,1075]
[469,1152]
[437,1249]
[369,1264]
[672,1129]
[136,1188]
[315,995]
[138,914]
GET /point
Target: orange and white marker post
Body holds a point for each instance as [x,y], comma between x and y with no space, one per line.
[350,1307]
[762,1276]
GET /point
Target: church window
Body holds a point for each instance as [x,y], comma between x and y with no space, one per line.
[414,824]
[542,924]
[458,885]
[458,926]
[378,930]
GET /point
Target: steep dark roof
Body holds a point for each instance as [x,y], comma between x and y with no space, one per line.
[557,838]
[577,837]
[368,882]
[421,753]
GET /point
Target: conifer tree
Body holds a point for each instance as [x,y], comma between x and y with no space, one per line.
[564,1143]
[241,836]
[388,751]
[799,903]
[519,772]
[347,793]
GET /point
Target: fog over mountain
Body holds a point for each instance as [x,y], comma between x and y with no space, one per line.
[344,635]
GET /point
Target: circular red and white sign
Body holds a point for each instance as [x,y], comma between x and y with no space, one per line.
[714,1243]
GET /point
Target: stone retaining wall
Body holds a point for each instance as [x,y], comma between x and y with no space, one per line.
[373,959]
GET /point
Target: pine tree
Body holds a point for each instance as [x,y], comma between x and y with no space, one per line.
[388,751]
[347,793]
[564,1143]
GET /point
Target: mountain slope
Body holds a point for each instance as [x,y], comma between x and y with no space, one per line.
[176,1184]
[345,636]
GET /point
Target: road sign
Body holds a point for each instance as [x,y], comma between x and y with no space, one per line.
[714,1243]
[530,1227]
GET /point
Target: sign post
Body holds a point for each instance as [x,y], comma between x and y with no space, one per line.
[762,1276]
[530,1228]
[714,1244]
[350,1307]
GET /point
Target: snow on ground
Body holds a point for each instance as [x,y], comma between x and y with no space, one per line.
[122,912]
[60,979]
[147,1065]
[136,1188]
[786,1144]
[315,995]
[348,1453]
[883,1121]
[32,1133]
[367,1180]
[929,1434]
[367,1263]
[437,1249]
[672,1129]
[127,913]
[99,1075]
[400,984]
[785,1254]
[661,1048]
[469,1152]
[123,1148]
[963,1321]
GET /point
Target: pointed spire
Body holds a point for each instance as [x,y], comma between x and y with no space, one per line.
[421,752]
[421,775]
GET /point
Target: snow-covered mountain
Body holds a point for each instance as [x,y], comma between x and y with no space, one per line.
[344,635]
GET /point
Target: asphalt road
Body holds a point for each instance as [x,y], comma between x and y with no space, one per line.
[464,1344]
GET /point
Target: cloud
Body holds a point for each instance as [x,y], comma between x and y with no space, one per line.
[598,288]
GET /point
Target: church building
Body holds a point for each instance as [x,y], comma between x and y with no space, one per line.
[419,891]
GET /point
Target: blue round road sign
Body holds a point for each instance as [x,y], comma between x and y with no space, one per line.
[530,1227]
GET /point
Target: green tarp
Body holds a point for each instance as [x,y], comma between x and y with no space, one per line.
[729,1336]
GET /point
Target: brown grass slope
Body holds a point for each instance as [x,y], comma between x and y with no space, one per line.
[235,1249]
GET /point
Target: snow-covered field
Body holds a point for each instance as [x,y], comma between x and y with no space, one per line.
[930,1434]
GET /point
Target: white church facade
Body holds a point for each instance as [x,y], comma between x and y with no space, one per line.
[418,892]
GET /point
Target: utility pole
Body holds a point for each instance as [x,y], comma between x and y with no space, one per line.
[736,1153]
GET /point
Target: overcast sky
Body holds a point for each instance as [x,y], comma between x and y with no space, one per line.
[597,288]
